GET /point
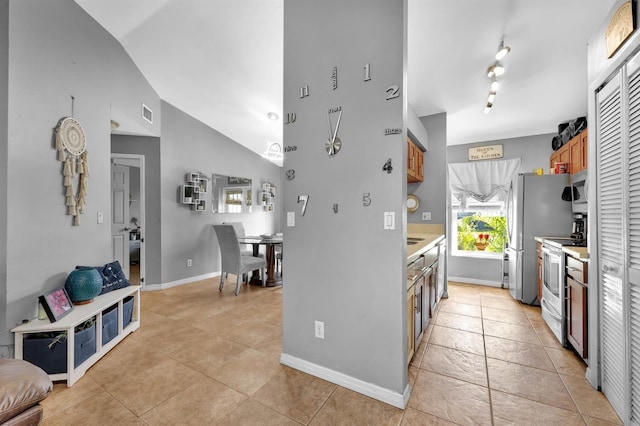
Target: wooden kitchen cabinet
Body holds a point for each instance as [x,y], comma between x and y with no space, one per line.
[577,305]
[574,153]
[415,162]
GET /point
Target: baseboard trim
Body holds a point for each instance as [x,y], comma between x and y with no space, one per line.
[387,396]
[474,281]
[164,286]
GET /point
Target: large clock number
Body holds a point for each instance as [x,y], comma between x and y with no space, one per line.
[367,72]
[291,174]
[334,78]
[387,166]
[304,199]
[291,117]
[393,92]
[304,91]
[335,208]
[366,199]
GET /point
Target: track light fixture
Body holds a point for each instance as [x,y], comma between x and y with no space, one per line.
[502,51]
[493,72]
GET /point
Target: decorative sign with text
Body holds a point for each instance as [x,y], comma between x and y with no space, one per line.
[620,28]
[488,152]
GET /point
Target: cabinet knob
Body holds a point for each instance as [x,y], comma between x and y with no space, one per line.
[611,269]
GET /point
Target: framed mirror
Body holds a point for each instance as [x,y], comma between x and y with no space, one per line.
[230,194]
[412,203]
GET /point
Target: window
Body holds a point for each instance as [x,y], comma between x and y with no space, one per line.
[480,229]
[233,200]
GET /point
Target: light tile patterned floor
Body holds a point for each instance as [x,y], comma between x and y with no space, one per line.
[202,357]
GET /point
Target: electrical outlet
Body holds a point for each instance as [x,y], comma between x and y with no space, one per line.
[319,329]
[189,263]
[426,215]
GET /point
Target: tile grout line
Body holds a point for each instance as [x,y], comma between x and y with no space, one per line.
[486,366]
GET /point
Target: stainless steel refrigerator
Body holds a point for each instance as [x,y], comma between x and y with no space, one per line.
[535,208]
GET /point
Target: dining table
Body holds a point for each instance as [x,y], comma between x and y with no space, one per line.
[270,242]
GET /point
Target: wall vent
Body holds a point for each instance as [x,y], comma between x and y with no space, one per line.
[147,114]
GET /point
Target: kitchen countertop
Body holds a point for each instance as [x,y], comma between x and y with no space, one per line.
[431,235]
[581,253]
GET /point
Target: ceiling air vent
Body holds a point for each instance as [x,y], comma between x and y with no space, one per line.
[147,114]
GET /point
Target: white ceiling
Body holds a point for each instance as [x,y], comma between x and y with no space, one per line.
[221,61]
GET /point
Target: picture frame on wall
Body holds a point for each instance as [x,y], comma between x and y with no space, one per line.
[56,304]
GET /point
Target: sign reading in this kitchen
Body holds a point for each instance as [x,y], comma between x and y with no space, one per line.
[488,152]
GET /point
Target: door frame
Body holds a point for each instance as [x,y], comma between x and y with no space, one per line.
[137,160]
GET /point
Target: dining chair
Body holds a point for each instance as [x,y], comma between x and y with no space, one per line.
[239,228]
[233,262]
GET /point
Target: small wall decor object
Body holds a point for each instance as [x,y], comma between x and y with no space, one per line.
[56,304]
[267,197]
[194,191]
[83,284]
[71,146]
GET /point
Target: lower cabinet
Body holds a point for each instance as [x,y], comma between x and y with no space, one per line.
[410,324]
[577,305]
[67,348]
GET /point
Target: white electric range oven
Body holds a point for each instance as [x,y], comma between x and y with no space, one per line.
[554,293]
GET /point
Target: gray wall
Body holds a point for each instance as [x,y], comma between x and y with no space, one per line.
[334,271]
[150,148]
[534,151]
[432,193]
[190,235]
[57,51]
[53,51]
[4,81]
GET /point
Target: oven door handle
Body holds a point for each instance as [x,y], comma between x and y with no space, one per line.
[551,311]
[551,252]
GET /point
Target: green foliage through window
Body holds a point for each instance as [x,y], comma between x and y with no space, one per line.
[481,232]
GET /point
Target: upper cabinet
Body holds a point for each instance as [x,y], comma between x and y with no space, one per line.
[415,162]
[574,153]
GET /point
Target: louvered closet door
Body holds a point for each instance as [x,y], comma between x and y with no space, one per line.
[610,242]
[633,232]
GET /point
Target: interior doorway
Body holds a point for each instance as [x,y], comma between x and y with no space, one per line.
[134,229]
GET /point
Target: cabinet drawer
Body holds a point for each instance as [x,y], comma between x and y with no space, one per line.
[577,270]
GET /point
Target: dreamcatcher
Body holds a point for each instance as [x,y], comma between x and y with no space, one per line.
[71,146]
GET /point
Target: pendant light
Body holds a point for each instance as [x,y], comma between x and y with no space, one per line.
[274,149]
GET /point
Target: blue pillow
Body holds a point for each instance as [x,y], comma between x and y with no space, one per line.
[113,277]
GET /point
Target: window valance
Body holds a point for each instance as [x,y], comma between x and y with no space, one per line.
[482,180]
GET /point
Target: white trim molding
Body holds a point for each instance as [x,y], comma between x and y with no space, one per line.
[164,286]
[466,280]
[388,396]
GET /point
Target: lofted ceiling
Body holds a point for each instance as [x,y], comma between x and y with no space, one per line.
[221,61]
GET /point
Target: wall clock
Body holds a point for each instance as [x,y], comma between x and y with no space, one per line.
[334,143]
[412,203]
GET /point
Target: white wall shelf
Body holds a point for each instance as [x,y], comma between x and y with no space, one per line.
[194,191]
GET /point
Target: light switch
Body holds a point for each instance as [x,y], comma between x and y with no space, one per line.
[389,220]
[426,215]
[100,217]
[291,218]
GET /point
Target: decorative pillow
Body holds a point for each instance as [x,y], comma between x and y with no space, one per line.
[113,277]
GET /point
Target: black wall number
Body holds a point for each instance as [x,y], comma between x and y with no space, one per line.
[387,166]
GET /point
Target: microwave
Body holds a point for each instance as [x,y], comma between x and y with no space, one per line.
[580,196]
